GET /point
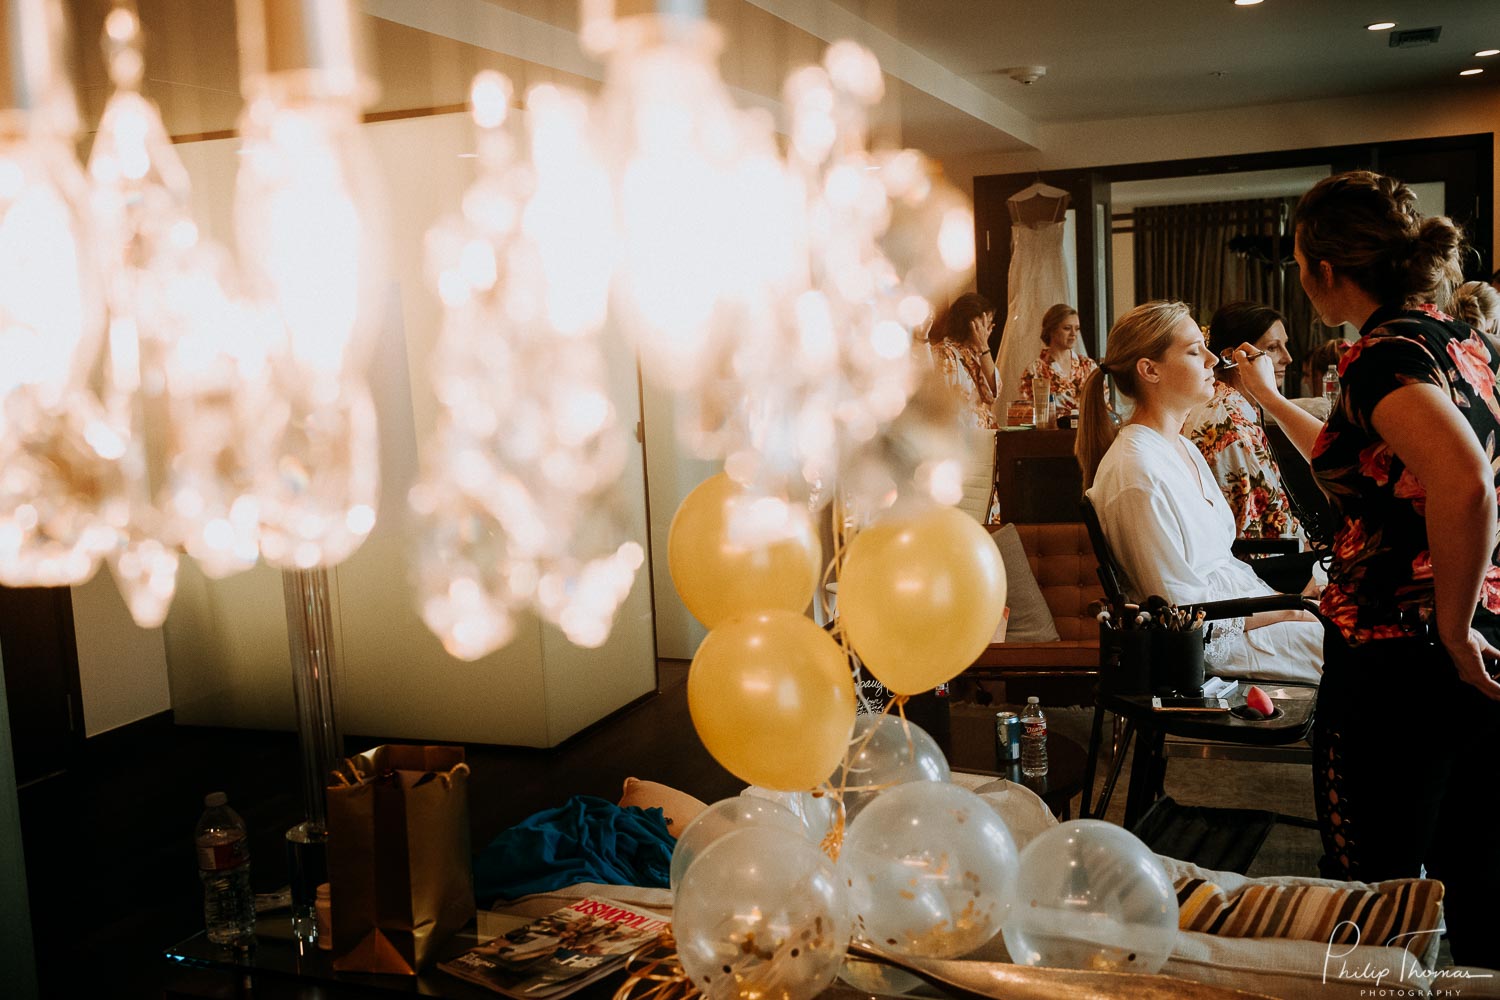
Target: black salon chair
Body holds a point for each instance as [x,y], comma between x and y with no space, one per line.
[1224,839]
[1112,577]
[1306,497]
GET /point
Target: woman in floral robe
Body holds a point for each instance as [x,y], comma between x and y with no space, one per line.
[1227,429]
[961,352]
[960,346]
[1064,370]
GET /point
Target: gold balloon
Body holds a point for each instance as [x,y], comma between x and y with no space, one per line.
[773,700]
[920,596]
[718,579]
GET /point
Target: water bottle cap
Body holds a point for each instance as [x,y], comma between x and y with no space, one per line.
[215,799]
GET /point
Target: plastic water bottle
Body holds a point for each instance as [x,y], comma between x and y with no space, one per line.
[224,867]
[1331,385]
[1033,740]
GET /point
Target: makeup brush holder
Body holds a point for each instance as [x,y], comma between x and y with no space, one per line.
[1177,661]
[1125,659]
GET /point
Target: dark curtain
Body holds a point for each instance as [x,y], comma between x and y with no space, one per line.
[1184,252]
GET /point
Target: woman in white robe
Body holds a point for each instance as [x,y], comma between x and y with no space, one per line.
[1160,506]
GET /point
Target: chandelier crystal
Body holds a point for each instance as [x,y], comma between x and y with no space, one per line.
[307,225]
[183,363]
[514,507]
[811,400]
[58,453]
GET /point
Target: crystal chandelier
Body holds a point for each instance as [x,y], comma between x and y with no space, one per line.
[776,297]
[159,401]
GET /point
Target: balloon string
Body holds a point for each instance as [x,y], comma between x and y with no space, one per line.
[660,968]
[911,746]
[836,563]
[831,574]
[833,840]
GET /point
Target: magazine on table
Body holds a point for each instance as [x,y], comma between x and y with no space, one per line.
[561,952]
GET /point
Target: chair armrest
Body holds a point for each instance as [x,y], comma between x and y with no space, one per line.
[1288,573]
[1264,546]
[1242,607]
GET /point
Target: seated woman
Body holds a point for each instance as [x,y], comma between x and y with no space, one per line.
[1478,304]
[960,346]
[1227,428]
[1158,504]
[961,349]
[1057,362]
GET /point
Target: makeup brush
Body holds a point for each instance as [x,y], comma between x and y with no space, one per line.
[1226,360]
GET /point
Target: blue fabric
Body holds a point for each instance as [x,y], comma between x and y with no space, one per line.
[586,839]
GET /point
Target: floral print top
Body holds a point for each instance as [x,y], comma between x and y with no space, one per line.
[1228,432]
[963,370]
[1380,580]
[1065,388]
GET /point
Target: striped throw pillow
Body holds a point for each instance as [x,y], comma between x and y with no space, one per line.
[1396,909]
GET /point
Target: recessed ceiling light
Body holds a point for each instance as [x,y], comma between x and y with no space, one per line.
[1246,3]
[1380,25]
[1487,52]
[1470,72]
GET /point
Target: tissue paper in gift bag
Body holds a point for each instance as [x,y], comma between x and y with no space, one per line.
[398,857]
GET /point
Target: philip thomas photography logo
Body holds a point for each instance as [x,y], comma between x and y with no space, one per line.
[1409,979]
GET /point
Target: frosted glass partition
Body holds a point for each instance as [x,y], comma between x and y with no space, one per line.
[226,641]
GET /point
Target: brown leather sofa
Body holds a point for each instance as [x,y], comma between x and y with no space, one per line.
[1062,560]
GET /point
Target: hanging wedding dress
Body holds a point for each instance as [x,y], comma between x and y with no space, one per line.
[1042,274]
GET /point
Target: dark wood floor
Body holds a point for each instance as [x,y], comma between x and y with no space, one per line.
[109,857]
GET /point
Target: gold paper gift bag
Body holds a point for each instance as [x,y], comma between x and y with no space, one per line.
[398,857]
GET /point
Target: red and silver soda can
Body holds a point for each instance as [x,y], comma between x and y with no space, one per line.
[1007,737]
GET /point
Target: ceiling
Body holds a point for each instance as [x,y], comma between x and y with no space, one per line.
[947,92]
[1131,58]
[1242,184]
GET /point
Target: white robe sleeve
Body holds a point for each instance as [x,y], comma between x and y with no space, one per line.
[1148,539]
[1145,530]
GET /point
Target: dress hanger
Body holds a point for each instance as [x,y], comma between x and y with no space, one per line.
[1040,203]
[1038,190]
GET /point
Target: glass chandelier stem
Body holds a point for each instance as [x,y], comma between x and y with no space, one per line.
[309,621]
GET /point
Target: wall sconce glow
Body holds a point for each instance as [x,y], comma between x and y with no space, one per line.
[306,221]
[1380,26]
